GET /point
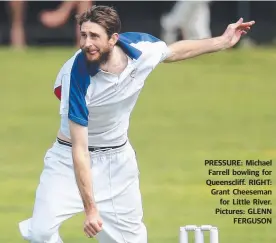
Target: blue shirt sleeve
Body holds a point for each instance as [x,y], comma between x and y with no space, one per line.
[79,82]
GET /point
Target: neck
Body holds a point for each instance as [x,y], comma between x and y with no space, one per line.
[116,62]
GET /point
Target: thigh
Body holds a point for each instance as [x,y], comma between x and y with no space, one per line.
[122,213]
[57,196]
[124,222]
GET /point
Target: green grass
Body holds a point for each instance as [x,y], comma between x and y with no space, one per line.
[219,106]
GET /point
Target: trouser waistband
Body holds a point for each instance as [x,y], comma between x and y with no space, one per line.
[91,149]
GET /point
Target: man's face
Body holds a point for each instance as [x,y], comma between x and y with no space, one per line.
[95,43]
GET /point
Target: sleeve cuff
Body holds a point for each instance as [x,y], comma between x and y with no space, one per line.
[78,120]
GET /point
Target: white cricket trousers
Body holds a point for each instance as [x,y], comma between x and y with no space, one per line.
[116,189]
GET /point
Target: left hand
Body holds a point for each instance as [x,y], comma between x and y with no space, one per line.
[234,31]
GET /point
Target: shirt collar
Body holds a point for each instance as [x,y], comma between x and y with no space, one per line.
[130,50]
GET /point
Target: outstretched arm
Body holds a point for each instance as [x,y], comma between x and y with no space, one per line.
[185,49]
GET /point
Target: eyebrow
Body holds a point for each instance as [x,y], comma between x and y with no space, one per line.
[91,33]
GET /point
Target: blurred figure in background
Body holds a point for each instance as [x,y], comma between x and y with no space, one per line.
[51,19]
[192,18]
[58,17]
[17,33]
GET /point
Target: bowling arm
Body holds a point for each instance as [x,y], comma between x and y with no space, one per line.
[81,160]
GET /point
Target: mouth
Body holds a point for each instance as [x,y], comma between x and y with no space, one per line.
[92,52]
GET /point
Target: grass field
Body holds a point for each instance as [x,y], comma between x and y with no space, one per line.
[220,106]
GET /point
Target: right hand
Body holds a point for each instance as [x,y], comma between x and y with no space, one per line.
[93,223]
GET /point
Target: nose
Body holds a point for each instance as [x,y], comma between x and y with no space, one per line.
[88,43]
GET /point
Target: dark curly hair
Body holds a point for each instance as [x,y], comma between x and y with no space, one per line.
[105,16]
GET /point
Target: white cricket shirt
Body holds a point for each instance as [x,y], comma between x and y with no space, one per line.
[101,101]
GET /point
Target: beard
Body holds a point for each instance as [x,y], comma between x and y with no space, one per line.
[102,56]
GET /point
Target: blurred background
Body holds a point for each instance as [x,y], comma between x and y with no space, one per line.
[52,22]
[217,106]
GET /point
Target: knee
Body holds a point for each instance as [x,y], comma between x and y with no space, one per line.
[40,235]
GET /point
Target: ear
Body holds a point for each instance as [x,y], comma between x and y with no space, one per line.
[113,39]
